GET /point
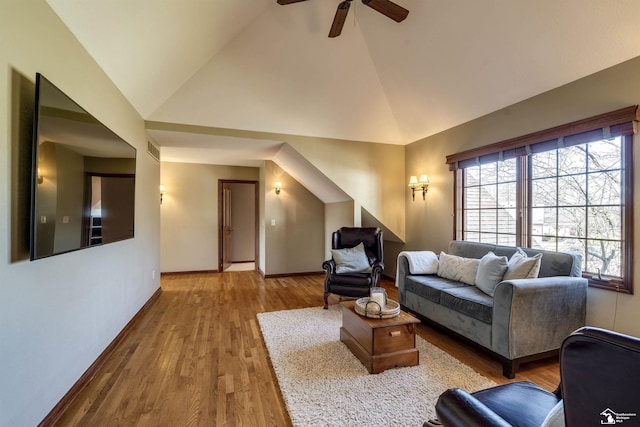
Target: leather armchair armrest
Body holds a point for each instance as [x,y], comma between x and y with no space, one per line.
[376,272]
[377,266]
[329,266]
[457,408]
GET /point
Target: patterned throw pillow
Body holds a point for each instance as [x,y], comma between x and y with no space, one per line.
[351,260]
[458,268]
[521,266]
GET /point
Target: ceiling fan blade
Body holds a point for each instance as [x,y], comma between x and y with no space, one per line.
[388,9]
[338,20]
[289,1]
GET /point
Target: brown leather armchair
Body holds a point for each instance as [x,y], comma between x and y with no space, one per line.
[354,284]
[599,372]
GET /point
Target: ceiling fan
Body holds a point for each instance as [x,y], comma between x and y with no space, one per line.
[385,7]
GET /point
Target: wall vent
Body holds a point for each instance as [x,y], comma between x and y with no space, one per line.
[153,150]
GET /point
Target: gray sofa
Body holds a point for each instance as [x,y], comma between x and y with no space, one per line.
[525,320]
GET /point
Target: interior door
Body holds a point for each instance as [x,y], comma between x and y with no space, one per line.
[227,229]
[117,192]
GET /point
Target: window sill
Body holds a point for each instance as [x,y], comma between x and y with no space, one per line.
[609,284]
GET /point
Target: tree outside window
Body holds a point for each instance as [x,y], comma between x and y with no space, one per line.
[576,203]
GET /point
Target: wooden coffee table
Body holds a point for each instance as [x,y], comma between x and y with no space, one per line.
[380,344]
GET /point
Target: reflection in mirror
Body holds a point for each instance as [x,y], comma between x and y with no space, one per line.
[83,186]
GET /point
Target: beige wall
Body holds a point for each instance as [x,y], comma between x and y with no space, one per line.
[293,224]
[58,314]
[336,215]
[430,222]
[189,214]
[371,174]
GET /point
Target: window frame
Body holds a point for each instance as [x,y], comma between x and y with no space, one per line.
[621,123]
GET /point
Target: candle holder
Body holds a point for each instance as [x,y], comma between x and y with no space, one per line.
[379,296]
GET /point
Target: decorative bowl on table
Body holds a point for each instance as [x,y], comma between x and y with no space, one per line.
[368,308]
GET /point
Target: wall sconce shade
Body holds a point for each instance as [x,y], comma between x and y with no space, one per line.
[423,183]
[161,193]
[278,187]
[40,177]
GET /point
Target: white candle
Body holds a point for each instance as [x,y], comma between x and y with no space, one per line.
[379,298]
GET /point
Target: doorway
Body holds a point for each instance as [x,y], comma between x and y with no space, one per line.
[108,208]
[238,225]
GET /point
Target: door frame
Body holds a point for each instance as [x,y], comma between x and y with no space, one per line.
[221,208]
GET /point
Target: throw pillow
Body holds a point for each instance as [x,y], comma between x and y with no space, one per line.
[351,260]
[521,266]
[555,418]
[490,272]
[458,268]
[421,262]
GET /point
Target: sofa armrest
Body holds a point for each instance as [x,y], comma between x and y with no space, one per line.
[457,408]
[402,269]
[532,316]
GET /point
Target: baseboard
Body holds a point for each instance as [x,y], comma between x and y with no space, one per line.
[266,276]
[308,273]
[171,273]
[57,411]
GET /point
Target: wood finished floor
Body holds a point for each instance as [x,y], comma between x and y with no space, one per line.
[197,358]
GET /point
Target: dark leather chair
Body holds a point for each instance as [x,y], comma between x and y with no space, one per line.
[354,284]
[600,376]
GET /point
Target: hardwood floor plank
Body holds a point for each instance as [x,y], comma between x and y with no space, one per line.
[197,357]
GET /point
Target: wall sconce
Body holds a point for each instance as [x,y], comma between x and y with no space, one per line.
[278,187]
[40,177]
[161,193]
[422,183]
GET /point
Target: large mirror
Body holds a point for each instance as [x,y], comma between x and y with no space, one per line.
[83,191]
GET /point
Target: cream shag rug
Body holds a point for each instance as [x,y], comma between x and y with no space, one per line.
[323,384]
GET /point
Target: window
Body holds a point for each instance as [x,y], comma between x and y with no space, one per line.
[577,204]
[489,209]
[569,193]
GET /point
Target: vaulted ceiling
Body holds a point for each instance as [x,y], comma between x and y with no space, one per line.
[253,65]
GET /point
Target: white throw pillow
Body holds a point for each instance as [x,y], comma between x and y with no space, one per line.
[521,266]
[422,262]
[351,260]
[490,272]
[555,418]
[458,268]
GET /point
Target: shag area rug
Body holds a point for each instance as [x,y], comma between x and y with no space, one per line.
[324,384]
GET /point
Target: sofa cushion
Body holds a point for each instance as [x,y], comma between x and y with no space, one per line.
[469,300]
[458,268]
[490,272]
[523,267]
[429,286]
